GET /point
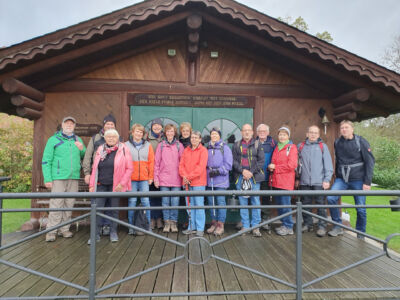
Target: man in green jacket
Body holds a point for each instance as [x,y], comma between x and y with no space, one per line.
[61,166]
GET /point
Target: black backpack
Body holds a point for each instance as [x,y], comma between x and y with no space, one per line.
[140,219]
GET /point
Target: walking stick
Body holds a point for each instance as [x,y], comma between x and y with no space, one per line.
[188,210]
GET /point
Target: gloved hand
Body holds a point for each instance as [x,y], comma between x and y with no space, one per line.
[214,172]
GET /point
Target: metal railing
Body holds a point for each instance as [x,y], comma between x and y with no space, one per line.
[297,288]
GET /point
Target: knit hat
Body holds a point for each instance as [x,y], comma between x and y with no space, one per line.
[69,118]
[156,121]
[216,129]
[109,118]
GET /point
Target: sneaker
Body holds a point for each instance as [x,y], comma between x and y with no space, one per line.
[50,237]
[266,227]
[97,239]
[131,231]
[307,228]
[283,230]
[139,233]
[360,237]
[321,232]
[106,230]
[257,233]
[336,231]
[189,231]
[113,237]
[199,233]
[66,234]
[174,227]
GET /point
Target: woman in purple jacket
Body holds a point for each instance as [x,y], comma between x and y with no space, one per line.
[166,174]
[218,166]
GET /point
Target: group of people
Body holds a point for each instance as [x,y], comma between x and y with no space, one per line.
[167,160]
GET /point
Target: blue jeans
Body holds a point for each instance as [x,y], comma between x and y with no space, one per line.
[170,214]
[340,184]
[197,216]
[217,214]
[254,200]
[284,200]
[139,186]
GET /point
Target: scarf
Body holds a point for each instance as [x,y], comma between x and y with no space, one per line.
[282,145]
[155,134]
[105,150]
[68,136]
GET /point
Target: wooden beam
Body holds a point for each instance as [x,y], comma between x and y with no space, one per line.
[361,95]
[23,101]
[14,86]
[97,46]
[349,107]
[352,116]
[194,22]
[265,90]
[375,109]
[29,113]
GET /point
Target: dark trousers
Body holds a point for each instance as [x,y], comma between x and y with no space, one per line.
[114,202]
[265,200]
[308,200]
[155,201]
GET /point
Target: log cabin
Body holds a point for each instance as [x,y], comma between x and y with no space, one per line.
[209,62]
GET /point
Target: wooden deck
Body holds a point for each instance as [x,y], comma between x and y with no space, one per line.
[69,259]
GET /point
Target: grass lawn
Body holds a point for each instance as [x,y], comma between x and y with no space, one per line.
[13,221]
[381,222]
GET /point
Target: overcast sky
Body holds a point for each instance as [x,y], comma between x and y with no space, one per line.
[364,27]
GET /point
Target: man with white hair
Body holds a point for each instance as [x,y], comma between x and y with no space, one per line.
[267,143]
[61,166]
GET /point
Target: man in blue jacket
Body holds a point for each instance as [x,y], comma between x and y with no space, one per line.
[315,172]
[267,143]
[354,170]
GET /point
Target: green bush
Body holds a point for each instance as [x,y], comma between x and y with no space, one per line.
[16,135]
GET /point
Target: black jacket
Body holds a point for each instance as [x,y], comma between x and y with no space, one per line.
[256,160]
[349,152]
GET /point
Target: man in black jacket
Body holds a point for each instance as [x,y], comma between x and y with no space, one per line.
[248,162]
[354,170]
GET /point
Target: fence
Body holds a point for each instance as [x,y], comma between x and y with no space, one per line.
[297,288]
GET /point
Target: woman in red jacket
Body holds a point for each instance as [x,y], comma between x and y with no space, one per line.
[192,169]
[282,167]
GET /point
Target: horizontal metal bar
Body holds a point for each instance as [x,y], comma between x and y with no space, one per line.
[158,236]
[32,236]
[46,297]
[171,261]
[55,279]
[363,261]
[377,289]
[205,193]
[189,294]
[254,271]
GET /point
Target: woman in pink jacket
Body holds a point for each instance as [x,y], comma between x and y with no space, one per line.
[111,172]
[166,174]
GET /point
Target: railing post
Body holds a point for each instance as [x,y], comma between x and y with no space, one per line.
[92,254]
[299,252]
[1,207]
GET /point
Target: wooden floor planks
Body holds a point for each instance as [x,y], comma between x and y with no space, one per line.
[68,259]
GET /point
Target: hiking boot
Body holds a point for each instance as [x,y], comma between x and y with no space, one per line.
[153,224]
[283,230]
[167,226]
[159,223]
[212,227]
[97,239]
[321,232]
[306,228]
[174,228]
[113,237]
[220,229]
[200,233]
[131,231]
[189,231]
[336,231]
[257,233]
[106,230]
[50,237]
[66,234]
[360,237]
